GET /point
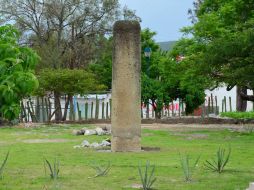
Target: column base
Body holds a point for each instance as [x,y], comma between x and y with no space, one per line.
[120,144]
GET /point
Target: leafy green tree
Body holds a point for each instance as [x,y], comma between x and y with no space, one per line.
[17,79]
[65,33]
[223,31]
[66,82]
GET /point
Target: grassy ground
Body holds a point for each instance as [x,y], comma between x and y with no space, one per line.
[239,115]
[25,169]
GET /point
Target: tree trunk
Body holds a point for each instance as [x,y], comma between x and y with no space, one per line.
[72,114]
[157,114]
[66,107]
[241,104]
[58,110]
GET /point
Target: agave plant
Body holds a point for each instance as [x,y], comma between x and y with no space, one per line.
[147,178]
[100,170]
[187,167]
[3,165]
[218,164]
[53,168]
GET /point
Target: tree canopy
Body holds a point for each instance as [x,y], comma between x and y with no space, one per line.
[17,79]
[223,42]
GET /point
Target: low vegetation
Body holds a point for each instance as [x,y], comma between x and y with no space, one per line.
[53,168]
[147,176]
[29,145]
[239,115]
[220,161]
[3,165]
[187,167]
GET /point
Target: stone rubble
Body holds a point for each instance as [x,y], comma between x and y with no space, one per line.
[86,144]
[105,130]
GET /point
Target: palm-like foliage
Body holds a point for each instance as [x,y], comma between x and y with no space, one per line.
[53,168]
[187,167]
[3,165]
[218,164]
[101,170]
[147,178]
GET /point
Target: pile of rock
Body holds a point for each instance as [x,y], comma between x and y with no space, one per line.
[86,144]
[97,131]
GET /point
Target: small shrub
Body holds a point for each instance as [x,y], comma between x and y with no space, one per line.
[187,167]
[100,170]
[53,168]
[3,165]
[218,164]
[147,178]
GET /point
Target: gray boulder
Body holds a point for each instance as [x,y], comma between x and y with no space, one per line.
[90,132]
[85,143]
[77,132]
[100,131]
[95,145]
[105,143]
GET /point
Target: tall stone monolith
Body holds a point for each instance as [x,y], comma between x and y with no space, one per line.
[126,93]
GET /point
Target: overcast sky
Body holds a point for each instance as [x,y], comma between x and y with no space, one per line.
[165,17]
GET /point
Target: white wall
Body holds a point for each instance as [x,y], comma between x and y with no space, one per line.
[221,92]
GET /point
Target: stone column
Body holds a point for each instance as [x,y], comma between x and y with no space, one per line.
[251,187]
[126,93]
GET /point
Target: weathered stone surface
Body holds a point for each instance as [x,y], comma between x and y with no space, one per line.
[100,131]
[126,93]
[105,143]
[95,145]
[77,132]
[251,187]
[83,130]
[90,132]
[85,143]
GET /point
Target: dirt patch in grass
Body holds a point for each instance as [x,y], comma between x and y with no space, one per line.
[47,141]
[192,136]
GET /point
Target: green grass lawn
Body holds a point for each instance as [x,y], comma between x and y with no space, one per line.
[25,168]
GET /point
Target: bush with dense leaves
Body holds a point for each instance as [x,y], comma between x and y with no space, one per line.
[16,72]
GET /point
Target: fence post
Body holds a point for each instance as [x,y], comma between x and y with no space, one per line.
[107,111]
[79,111]
[110,105]
[179,110]
[230,104]
[182,108]
[209,105]
[203,111]
[91,110]
[147,111]
[49,111]
[37,109]
[216,106]
[43,110]
[23,111]
[212,103]
[86,110]
[172,107]
[97,108]
[46,109]
[31,111]
[225,102]
[222,105]
[102,112]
